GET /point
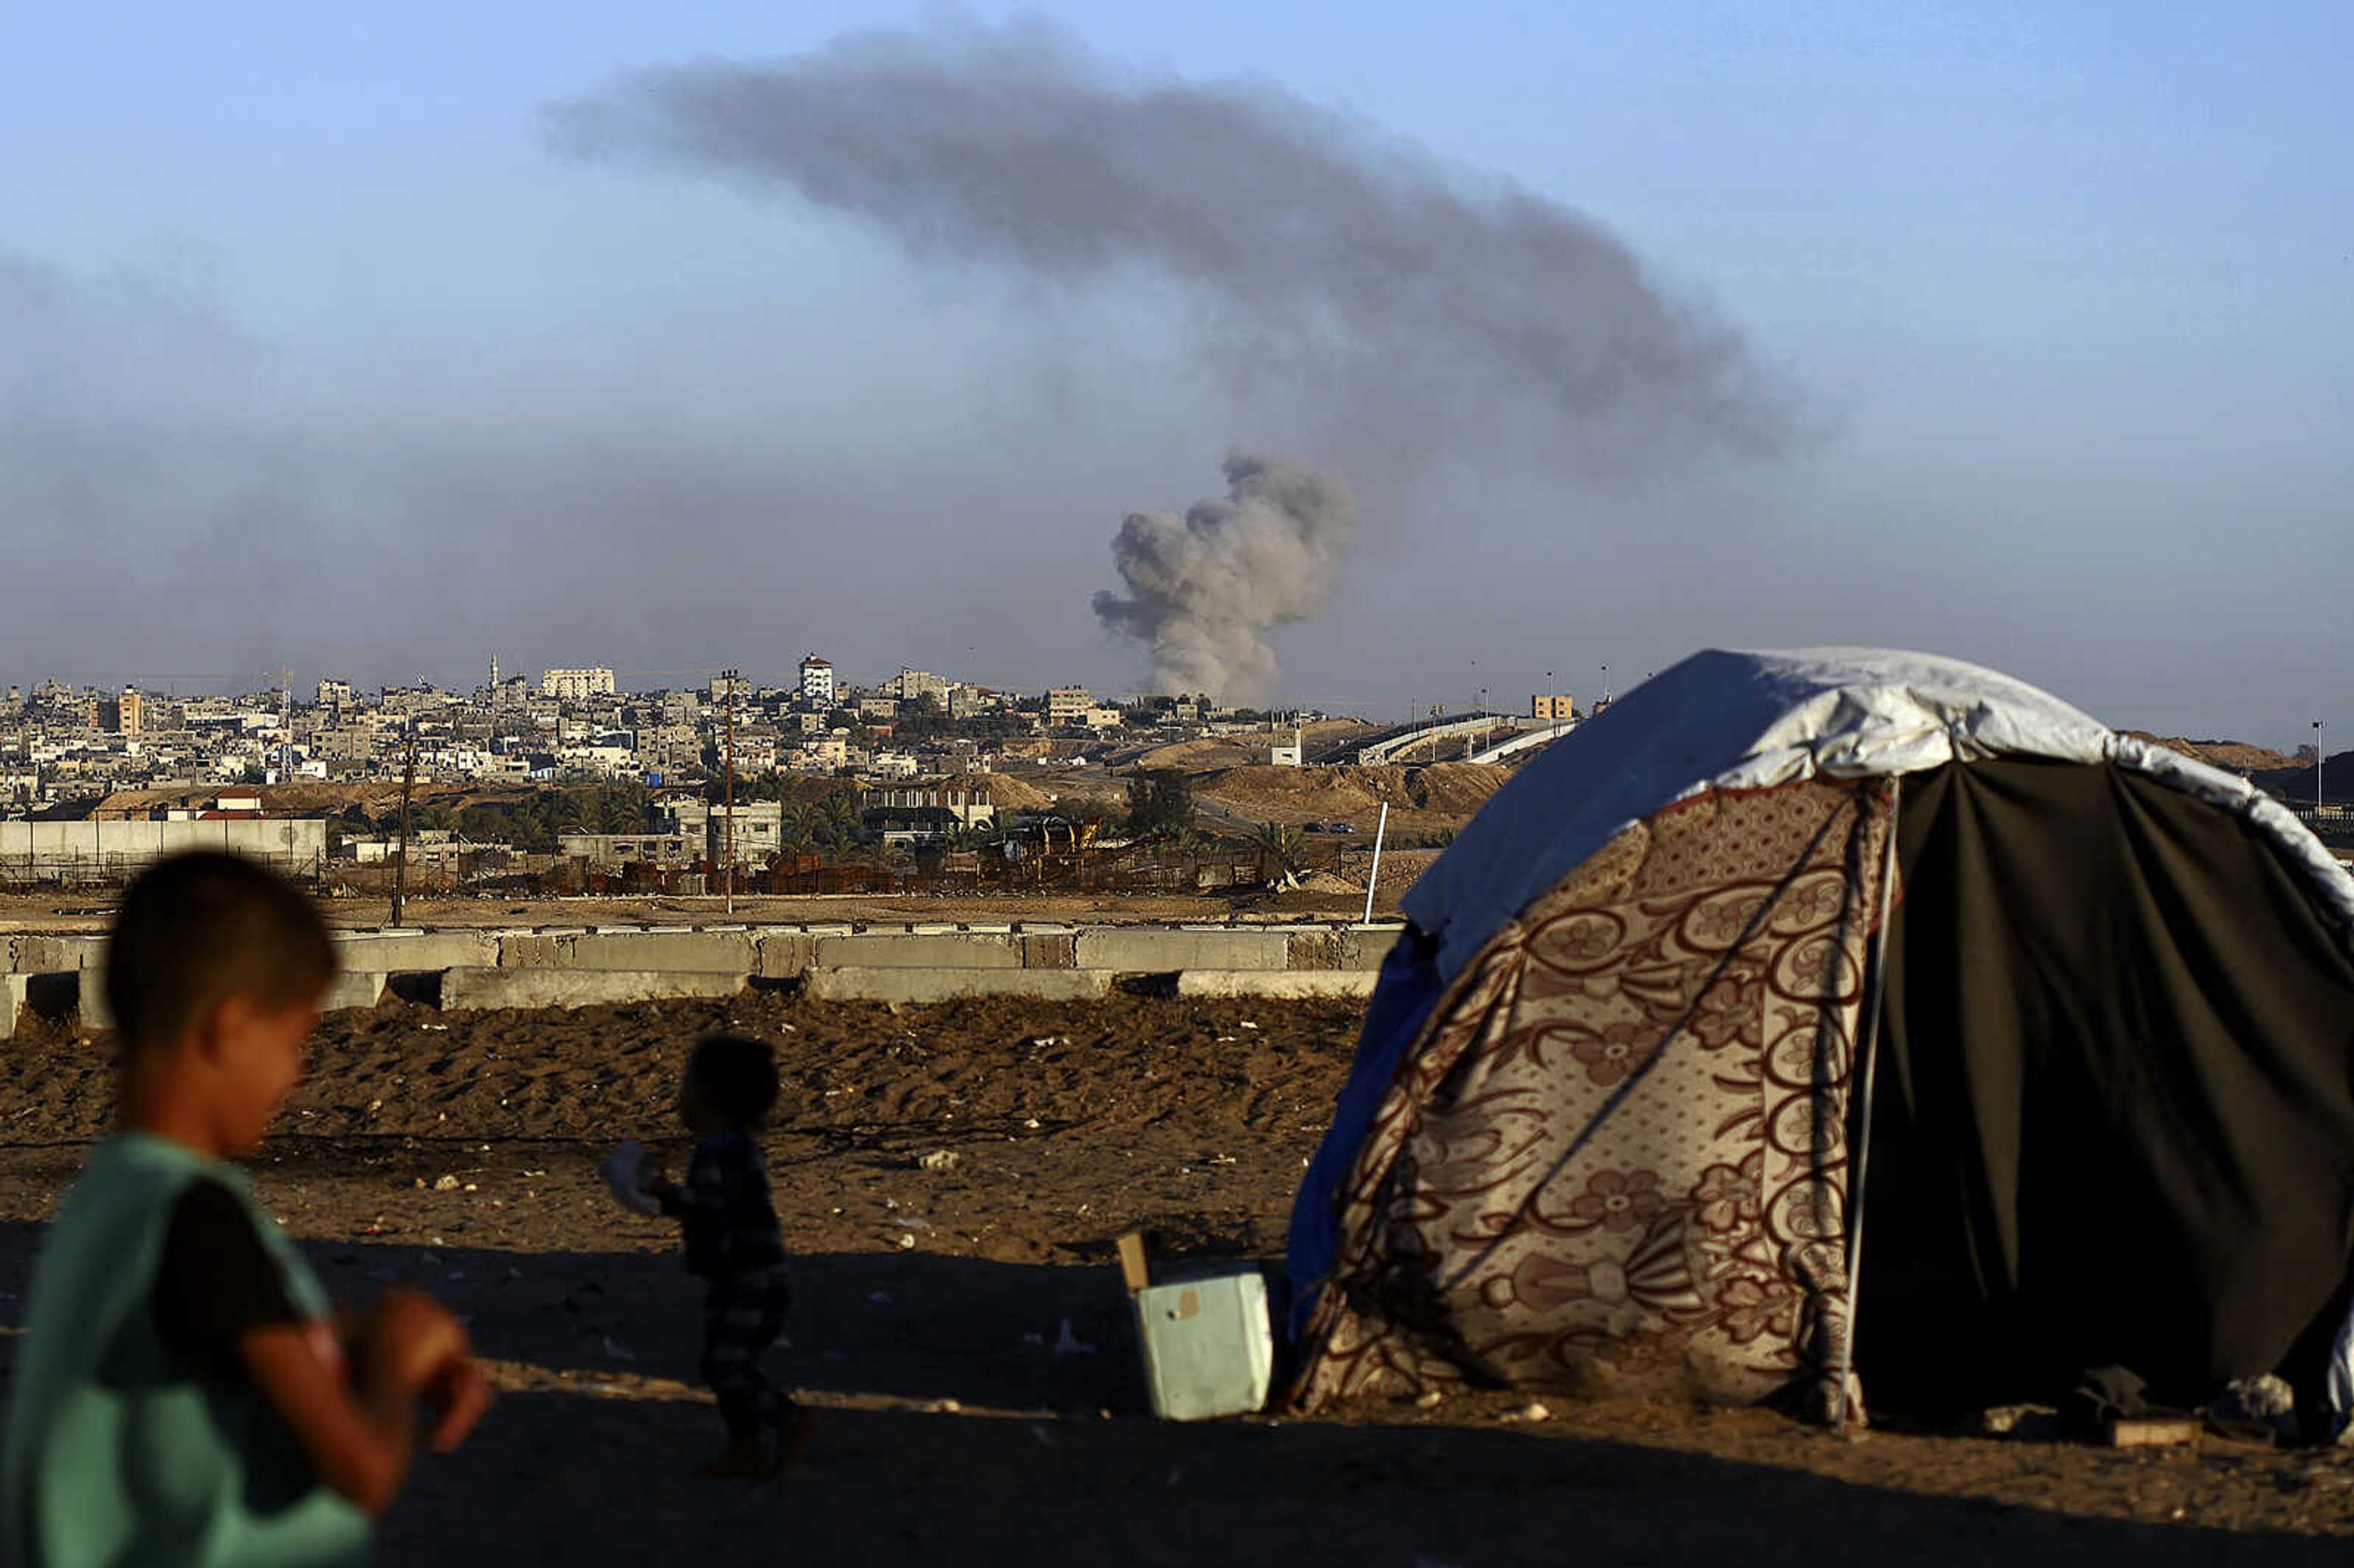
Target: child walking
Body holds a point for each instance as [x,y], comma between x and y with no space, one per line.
[184,1395]
[733,1242]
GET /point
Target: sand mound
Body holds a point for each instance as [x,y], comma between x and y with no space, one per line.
[1444,794]
[2232,755]
[1007,794]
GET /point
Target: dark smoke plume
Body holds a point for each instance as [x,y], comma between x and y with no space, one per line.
[1201,588]
[1406,306]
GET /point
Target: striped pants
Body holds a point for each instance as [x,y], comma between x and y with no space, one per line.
[742,1316]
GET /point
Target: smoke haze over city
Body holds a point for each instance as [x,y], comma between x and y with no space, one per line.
[668,342]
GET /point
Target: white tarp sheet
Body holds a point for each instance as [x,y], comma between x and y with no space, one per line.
[1727,720]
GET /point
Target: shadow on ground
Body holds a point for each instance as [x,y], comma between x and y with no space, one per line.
[586,1459]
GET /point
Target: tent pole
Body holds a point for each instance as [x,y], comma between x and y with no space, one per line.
[1869,1059]
[1372,880]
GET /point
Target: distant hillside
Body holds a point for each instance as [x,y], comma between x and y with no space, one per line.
[2231,756]
[2275,771]
[1440,796]
[2295,782]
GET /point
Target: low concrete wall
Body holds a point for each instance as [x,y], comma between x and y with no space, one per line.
[1292,985]
[1159,951]
[64,974]
[1344,949]
[914,985]
[917,951]
[39,955]
[414,952]
[91,1011]
[477,988]
[354,988]
[703,952]
[786,955]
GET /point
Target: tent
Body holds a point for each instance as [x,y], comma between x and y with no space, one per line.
[1812,1015]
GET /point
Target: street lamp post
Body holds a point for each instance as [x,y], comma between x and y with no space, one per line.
[728,874]
[2320,755]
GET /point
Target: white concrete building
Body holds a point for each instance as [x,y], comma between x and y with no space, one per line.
[817,680]
[576,685]
[914,686]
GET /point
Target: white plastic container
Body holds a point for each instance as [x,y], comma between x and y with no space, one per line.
[1208,1351]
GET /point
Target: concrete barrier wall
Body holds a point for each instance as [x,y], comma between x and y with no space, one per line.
[1164,951]
[928,950]
[919,985]
[476,990]
[416,952]
[63,975]
[46,851]
[1295,985]
[41,955]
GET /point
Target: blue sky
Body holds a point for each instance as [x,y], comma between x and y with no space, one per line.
[349,371]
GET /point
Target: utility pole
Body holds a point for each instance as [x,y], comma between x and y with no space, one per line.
[728,836]
[2320,755]
[401,854]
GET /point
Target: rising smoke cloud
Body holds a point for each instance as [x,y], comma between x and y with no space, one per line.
[1402,309]
[1205,587]
[1408,304]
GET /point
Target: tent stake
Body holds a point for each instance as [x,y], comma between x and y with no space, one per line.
[1870,1060]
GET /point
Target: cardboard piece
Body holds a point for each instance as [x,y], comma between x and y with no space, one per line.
[1132,1269]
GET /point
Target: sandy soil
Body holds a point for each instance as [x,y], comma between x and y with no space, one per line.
[1439,797]
[929,1301]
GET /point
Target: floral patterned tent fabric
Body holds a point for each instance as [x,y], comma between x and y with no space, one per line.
[1616,1160]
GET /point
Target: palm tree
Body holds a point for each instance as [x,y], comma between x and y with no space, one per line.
[797,823]
[1280,843]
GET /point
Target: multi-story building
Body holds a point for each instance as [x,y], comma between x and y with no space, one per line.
[1068,706]
[1553,709]
[335,695]
[827,752]
[914,686]
[972,702]
[576,685]
[122,714]
[817,680]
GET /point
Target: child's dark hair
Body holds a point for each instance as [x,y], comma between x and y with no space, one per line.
[196,930]
[738,1075]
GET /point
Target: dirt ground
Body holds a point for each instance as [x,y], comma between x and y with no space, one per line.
[455,1152]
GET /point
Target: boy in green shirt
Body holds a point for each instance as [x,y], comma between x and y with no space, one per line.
[183,1394]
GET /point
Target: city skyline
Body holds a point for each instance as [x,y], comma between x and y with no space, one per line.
[1501,697]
